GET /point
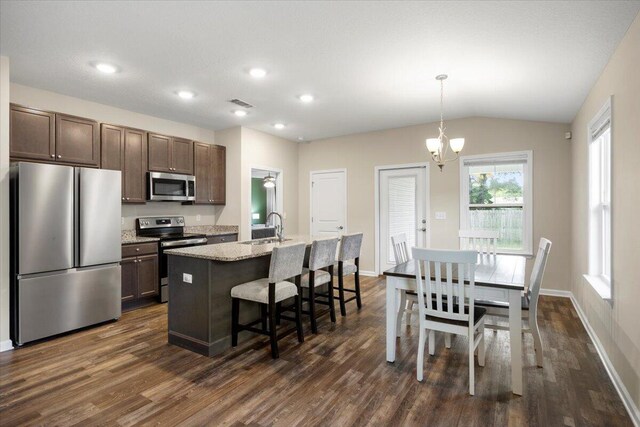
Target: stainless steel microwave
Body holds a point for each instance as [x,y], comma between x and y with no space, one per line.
[171,187]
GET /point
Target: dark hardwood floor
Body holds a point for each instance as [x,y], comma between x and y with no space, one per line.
[125,373]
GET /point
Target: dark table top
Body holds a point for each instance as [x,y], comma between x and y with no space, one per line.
[499,271]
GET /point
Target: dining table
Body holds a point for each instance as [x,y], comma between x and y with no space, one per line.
[498,278]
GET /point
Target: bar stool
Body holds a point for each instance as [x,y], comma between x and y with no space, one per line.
[322,256]
[286,262]
[349,263]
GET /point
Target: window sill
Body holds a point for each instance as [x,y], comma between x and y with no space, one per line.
[602,287]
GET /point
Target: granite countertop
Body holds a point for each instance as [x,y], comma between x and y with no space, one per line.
[130,237]
[236,251]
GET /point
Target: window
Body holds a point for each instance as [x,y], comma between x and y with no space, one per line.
[599,133]
[496,194]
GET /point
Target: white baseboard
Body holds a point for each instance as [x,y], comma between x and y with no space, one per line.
[368,273]
[556,293]
[6,345]
[628,402]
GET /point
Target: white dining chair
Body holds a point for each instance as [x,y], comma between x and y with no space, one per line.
[483,241]
[439,314]
[407,299]
[529,301]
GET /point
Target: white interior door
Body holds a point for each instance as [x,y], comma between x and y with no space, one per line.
[402,209]
[328,202]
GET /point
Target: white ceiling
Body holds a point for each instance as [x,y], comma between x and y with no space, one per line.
[371,65]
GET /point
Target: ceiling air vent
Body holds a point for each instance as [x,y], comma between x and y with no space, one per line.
[241,103]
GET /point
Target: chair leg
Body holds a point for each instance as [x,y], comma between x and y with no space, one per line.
[235,314]
[272,331]
[401,308]
[278,312]
[410,304]
[537,340]
[357,280]
[471,366]
[447,340]
[312,305]
[481,346]
[298,301]
[432,343]
[420,358]
[332,307]
[263,315]
[343,308]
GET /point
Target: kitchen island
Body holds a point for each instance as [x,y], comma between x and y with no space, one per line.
[200,282]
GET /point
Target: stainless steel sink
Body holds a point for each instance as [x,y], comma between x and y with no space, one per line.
[263,241]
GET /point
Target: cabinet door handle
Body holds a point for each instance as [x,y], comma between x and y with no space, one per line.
[53,156]
[137,249]
[59,156]
[127,198]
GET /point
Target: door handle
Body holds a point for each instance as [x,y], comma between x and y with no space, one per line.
[340,227]
[422,229]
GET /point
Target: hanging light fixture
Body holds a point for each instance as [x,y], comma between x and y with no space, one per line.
[439,147]
[269,181]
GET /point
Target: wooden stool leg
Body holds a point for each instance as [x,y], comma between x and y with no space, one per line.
[235,311]
[263,316]
[272,330]
[278,312]
[332,307]
[357,279]
[343,309]
[312,302]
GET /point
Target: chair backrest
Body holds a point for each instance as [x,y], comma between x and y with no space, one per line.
[350,246]
[323,253]
[286,262]
[400,248]
[431,264]
[537,272]
[483,241]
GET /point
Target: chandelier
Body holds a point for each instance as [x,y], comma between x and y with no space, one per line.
[269,181]
[439,147]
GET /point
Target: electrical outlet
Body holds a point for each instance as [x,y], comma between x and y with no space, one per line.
[441,215]
[187,278]
[198,218]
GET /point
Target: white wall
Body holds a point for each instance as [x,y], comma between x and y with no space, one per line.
[616,324]
[4,203]
[360,153]
[46,100]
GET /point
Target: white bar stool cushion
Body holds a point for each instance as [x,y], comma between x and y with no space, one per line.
[258,291]
[321,277]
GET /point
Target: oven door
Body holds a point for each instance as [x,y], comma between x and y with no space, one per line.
[170,187]
[173,244]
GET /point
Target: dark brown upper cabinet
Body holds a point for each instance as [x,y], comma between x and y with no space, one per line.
[170,154]
[210,172]
[125,149]
[77,140]
[32,134]
[218,192]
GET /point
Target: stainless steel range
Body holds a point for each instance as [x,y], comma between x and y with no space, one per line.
[170,231]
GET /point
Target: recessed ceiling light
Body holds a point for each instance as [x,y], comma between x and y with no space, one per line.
[307,97]
[258,73]
[240,113]
[106,68]
[279,126]
[185,94]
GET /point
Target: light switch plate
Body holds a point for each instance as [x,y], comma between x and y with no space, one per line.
[441,215]
[187,278]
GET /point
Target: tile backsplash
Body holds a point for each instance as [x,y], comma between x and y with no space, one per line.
[208,215]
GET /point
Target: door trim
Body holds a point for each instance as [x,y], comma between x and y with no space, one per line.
[427,200]
[344,204]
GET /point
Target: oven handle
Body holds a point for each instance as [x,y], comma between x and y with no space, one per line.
[183,242]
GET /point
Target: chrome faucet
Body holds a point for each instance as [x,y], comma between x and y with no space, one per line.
[279,228]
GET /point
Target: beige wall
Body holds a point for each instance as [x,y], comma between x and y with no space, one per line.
[231,138]
[360,153]
[4,203]
[616,324]
[263,150]
[46,100]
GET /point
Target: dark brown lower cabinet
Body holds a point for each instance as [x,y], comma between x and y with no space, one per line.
[139,271]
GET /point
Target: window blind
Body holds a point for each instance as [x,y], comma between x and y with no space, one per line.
[502,160]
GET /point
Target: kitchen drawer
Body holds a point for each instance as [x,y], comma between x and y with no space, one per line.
[139,249]
[212,240]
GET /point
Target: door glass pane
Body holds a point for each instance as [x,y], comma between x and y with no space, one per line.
[402,210]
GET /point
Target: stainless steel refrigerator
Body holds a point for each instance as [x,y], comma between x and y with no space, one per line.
[65,249]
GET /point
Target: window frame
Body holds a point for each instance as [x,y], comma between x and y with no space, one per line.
[599,208]
[527,188]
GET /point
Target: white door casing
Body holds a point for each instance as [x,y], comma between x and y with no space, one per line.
[402,207]
[328,202]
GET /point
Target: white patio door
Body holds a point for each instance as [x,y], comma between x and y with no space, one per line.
[402,209]
[328,202]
